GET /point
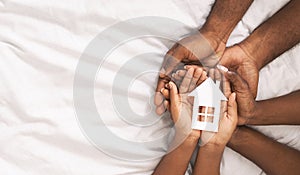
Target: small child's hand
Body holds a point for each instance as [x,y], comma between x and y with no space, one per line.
[227,126]
[199,75]
[181,104]
[229,116]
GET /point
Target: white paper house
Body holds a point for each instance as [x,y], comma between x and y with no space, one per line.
[206,109]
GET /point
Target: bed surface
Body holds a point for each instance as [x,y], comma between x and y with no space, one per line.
[41,43]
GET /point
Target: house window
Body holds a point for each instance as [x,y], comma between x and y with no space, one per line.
[206,114]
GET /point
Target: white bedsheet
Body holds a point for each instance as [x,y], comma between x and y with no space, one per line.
[40,45]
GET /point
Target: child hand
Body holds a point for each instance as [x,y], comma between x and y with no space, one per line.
[227,126]
[181,104]
[229,117]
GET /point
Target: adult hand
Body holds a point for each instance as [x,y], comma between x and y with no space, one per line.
[237,59]
[205,48]
[246,103]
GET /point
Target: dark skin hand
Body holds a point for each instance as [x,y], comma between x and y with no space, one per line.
[272,157]
[284,110]
[209,156]
[206,47]
[235,58]
[176,162]
[276,35]
[273,37]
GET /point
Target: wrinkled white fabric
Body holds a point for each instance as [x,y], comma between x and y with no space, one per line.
[40,45]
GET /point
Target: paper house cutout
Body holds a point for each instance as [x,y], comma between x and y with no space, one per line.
[206,109]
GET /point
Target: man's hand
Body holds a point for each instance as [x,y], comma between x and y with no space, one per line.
[246,103]
[204,48]
[235,58]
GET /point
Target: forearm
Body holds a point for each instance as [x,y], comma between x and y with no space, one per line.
[208,160]
[276,35]
[273,157]
[176,162]
[224,16]
[280,110]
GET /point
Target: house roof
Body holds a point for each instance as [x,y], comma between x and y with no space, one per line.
[208,94]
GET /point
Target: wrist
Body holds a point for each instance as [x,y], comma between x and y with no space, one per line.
[213,148]
[217,42]
[252,48]
[191,142]
[253,114]
[194,136]
[239,137]
[250,52]
[257,118]
[214,34]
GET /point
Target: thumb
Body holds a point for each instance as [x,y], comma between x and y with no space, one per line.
[232,107]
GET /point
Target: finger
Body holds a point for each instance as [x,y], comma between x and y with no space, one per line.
[176,77]
[222,68]
[223,109]
[184,87]
[232,107]
[158,97]
[167,86]
[160,109]
[226,86]
[173,92]
[167,105]
[211,74]
[196,77]
[218,77]
[165,93]
[181,73]
[192,66]
[202,78]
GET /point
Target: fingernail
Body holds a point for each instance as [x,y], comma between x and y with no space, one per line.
[230,73]
[185,67]
[170,85]
[167,86]
[161,90]
[222,68]
[173,74]
[234,95]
